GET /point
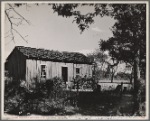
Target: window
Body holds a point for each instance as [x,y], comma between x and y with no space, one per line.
[43,71]
[77,71]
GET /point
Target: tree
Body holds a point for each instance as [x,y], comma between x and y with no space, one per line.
[129,41]
[104,64]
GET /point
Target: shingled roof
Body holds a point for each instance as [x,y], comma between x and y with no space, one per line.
[51,55]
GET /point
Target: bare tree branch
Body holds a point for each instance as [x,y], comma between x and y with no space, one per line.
[12,21]
[11,25]
[19,14]
[20,35]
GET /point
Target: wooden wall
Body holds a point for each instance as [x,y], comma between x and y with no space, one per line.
[16,65]
[53,69]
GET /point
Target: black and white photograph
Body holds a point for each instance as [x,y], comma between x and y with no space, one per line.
[75,60]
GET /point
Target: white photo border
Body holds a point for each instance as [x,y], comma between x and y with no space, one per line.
[3,117]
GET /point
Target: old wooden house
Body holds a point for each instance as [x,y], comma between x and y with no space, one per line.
[25,63]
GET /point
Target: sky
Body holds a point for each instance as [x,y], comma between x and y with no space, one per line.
[49,31]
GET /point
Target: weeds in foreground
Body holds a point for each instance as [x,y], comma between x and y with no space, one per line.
[50,98]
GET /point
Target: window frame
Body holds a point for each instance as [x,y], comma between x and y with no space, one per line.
[45,70]
[77,73]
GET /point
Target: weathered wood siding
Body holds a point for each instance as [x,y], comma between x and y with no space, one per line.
[53,69]
[16,65]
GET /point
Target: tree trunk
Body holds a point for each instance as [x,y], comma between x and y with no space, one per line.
[112,76]
[136,72]
[131,76]
[136,85]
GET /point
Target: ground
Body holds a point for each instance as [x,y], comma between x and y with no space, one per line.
[105,105]
[73,103]
[100,104]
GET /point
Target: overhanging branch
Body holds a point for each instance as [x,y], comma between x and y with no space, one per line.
[13,23]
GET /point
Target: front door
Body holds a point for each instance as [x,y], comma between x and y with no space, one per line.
[65,74]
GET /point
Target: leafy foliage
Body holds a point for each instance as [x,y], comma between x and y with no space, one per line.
[129,41]
[46,98]
[65,9]
[82,20]
[42,97]
[129,33]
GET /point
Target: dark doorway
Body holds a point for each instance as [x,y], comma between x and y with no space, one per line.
[65,74]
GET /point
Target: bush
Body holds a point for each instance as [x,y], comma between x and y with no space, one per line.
[45,98]
[139,97]
[42,97]
[84,83]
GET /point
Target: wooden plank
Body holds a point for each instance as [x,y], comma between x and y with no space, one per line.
[54,69]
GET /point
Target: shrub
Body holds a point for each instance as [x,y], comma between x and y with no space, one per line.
[84,83]
[44,98]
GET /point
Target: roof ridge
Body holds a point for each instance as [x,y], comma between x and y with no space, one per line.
[50,50]
[53,55]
